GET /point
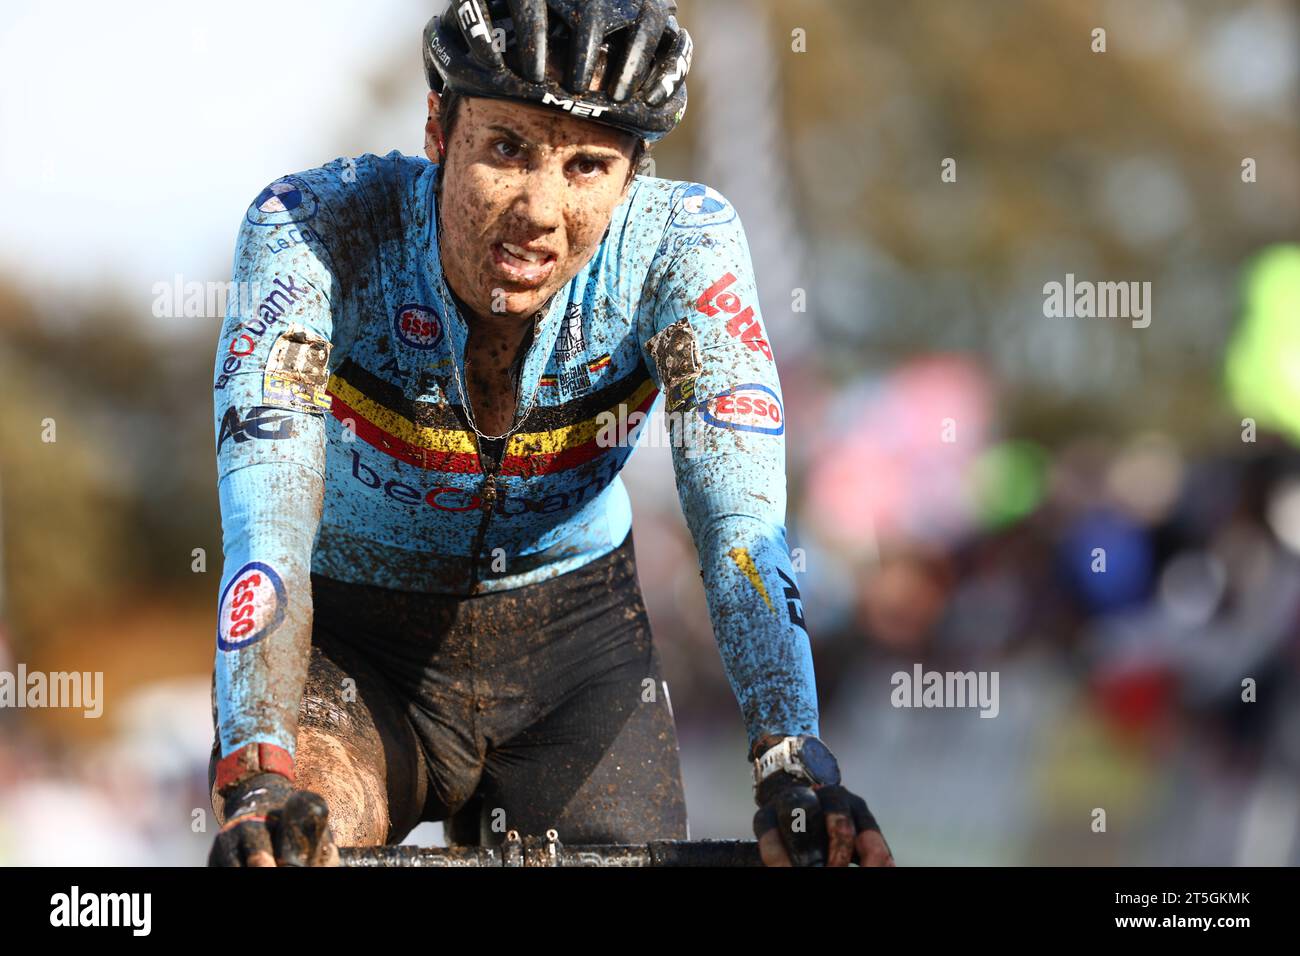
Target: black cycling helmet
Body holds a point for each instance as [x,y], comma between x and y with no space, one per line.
[647,57]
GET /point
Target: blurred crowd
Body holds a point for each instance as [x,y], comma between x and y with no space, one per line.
[1141,606]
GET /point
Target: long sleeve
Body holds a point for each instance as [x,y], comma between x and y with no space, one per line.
[707,348]
[269,398]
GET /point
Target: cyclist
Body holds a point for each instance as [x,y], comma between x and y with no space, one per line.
[429,606]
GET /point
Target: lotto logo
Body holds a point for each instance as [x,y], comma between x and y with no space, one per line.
[251,607]
[742,325]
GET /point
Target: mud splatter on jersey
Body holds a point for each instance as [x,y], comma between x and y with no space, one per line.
[344,448]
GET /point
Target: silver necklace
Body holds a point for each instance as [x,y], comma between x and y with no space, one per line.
[465,403]
[460,386]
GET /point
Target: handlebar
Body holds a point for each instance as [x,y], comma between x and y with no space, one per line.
[548,851]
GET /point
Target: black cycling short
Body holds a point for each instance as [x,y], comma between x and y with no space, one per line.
[530,709]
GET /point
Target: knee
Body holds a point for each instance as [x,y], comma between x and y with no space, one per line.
[355,793]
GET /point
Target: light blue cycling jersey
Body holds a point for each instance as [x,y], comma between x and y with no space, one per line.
[343,447]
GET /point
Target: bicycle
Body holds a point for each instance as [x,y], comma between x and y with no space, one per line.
[534,851]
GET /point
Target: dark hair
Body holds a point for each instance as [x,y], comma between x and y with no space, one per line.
[449,108]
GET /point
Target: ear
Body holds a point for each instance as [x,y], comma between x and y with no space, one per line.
[631,174]
[434,147]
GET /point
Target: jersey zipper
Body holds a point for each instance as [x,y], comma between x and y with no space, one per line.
[488,494]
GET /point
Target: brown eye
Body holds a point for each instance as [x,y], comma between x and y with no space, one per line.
[507,149]
[589,167]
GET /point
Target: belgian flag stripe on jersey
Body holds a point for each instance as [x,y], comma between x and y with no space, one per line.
[432,436]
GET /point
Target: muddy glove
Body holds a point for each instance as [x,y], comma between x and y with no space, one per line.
[268,823]
[805,817]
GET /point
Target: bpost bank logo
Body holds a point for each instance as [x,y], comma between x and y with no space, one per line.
[283,201]
[450,499]
[745,408]
[418,327]
[701,206]
[251,607]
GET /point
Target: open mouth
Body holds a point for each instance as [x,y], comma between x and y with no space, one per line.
[522,266]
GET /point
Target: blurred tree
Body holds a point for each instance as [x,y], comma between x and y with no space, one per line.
[1117,166]
[112,508]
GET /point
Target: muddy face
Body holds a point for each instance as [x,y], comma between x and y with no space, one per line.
[527,195]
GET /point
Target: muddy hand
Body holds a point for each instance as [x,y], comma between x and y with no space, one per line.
[801,825]
[268,823]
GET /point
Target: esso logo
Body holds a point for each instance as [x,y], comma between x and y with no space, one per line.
[251,607]
[418,327]
[746,408]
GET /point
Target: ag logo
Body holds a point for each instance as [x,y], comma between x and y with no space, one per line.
[251,607]
[285,200]
[745,408]
[699,206]
[418,327]
[262,422]
[793,601]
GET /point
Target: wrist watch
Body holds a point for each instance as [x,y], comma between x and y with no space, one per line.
[804,757]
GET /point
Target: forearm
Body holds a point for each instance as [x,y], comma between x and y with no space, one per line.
[758,623]
[264,640]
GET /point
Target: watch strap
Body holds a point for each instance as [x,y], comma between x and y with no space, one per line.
[782,756]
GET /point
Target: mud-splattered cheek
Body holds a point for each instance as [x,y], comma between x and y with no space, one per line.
[585,227]
[462,208]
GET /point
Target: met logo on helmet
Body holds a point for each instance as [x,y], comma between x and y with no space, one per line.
[472,20]
[576,107]
[670,80]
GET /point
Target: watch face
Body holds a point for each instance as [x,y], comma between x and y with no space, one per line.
[819,761]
